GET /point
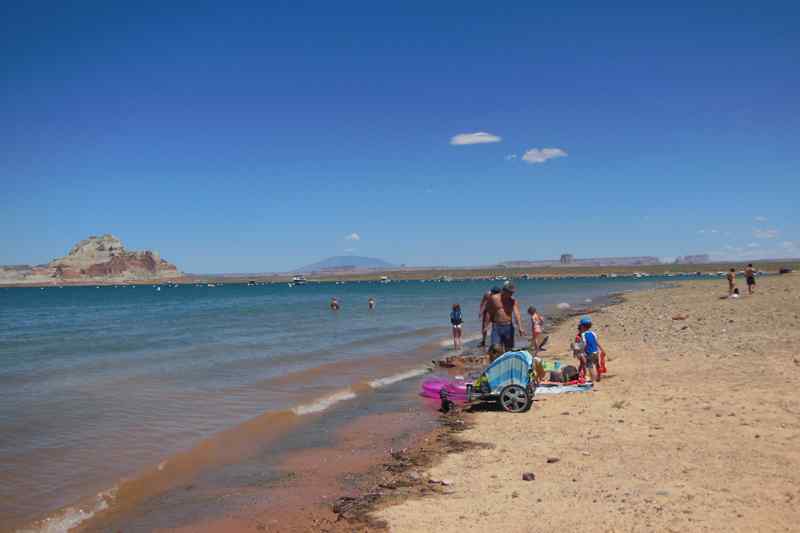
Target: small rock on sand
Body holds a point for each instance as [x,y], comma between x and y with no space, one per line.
[528,476]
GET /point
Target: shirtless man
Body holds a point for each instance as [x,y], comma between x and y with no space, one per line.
[731,281]
[500,311]
[750,276]
[486,296]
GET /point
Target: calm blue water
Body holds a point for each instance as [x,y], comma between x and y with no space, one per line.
[97,383]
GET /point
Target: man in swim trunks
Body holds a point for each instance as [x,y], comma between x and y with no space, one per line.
[486,296]
[750,276]
[501,310]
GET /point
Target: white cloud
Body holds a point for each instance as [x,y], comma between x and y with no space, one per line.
[479,137]
[352,237]
[349,250]
[509,157]
[761,219]
[714,231]
[765,233]
[540,155]
[753,245]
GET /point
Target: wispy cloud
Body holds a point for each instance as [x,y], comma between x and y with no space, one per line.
[755,250]
[540,155]
[479,137]
[704,231]
[349,250]
[509,157]
[352,237]
[760,219]
[765,233]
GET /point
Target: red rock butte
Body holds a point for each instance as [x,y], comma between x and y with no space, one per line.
[94,260]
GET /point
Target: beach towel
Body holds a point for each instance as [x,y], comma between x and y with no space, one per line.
[549,390]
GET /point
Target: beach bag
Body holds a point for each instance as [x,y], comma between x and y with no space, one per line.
[569,373]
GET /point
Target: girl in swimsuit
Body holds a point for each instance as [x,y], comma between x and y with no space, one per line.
[537,323]
[456,321]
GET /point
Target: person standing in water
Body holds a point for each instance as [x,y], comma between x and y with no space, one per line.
[501,310]
[456,320]
[750,276]
[335,306]
[371,303]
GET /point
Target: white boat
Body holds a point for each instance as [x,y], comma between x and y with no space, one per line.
[298,280]
[385,279]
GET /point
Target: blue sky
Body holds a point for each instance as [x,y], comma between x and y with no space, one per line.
[248,137]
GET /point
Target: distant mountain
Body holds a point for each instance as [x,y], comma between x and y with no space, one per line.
[346,262]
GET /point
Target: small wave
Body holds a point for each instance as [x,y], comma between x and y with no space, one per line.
[68,518]
[323,403]
[388,380]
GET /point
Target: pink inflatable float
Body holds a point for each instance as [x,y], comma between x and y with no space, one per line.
[456,388]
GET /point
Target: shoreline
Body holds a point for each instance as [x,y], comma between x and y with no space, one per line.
[433,275]
[634,460]
[397,477]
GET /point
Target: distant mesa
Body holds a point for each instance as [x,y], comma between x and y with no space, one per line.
[346,263]
[693,259]
[94,260]
[570,260]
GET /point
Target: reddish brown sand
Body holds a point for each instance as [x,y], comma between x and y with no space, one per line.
[696,428]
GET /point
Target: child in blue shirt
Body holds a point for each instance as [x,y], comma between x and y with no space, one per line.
[590,357]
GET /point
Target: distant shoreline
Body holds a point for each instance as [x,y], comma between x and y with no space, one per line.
[440,274]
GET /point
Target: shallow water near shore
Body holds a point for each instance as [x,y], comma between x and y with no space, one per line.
[103,384]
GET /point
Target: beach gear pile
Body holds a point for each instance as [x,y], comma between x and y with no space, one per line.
[510,381]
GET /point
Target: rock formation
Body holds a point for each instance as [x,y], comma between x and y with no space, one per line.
[94,260]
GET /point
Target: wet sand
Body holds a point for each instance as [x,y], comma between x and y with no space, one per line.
[695,428]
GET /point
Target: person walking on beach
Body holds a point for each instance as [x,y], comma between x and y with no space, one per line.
[486,296]
[750,276]
[501,311]
[731,281]
[371,303]
[537,323]
[456,321]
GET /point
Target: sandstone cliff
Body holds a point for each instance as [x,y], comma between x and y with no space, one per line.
[94,260]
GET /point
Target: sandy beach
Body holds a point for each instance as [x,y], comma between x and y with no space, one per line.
[695,428]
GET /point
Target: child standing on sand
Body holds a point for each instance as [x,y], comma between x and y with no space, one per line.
[456,320]
[537,323]
[590,358]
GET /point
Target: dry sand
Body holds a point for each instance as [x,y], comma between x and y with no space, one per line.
[696,428]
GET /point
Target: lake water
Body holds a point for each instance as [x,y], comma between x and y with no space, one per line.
[100,384]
